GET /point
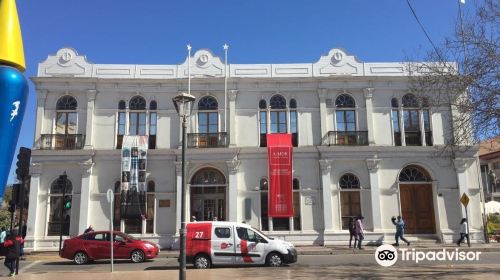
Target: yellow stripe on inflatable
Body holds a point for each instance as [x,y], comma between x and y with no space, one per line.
[11,41]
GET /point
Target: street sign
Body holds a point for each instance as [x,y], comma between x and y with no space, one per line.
[465,199]
[109,195]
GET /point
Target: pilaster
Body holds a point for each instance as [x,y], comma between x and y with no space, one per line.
[86,171]
[232,117]
[40,112]
[369,114]
[326,166]
[232,167]
[322,94]
[34,228]
[91,94]
[372,164]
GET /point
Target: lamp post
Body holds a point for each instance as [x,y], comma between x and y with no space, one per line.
[182,104]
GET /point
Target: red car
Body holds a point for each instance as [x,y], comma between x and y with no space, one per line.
[95,245]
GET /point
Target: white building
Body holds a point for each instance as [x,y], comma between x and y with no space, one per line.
[364,146]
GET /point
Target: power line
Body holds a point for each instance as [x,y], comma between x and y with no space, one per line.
[423,29]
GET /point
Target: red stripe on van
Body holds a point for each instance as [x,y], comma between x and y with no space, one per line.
[198,239]
[244,252]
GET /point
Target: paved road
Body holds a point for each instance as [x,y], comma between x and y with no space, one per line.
[338,265]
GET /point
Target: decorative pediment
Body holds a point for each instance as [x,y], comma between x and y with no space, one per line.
[203,64]
[66,62]
[337,62]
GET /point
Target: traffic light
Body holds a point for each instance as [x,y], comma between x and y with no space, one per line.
[12,206]
[67,202]
[23,163]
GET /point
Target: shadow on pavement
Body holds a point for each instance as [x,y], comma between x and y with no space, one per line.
[99,262]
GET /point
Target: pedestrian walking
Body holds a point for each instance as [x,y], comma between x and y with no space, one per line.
[464,232]
[13,247]
[400,230]
[352,232]
[360,232]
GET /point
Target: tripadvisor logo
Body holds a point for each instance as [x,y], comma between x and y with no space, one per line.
[387,255]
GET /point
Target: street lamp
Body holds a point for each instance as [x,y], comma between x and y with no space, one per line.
[182,103]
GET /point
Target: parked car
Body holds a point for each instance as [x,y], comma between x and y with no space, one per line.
[95,246]
[229,243]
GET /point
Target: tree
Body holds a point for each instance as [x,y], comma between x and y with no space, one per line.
[465,91]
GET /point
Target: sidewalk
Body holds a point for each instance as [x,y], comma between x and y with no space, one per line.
[313,250]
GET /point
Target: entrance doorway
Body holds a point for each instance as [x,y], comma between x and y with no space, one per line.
[417,208]
[208,195]
[417,203]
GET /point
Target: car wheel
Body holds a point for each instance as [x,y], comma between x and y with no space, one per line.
[274,260]
[137,256]
[201,262]
[80,258]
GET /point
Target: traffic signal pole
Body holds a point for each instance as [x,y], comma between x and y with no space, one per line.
[22,193]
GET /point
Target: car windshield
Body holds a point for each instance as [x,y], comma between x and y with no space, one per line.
[129,236]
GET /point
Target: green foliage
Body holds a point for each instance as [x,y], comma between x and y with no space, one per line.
[4,214]
[494,218]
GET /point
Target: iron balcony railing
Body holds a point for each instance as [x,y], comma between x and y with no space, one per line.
[61,142]
[207,140]
[351,138]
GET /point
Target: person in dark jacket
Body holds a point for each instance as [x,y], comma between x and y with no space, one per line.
[352,232]
[12,245]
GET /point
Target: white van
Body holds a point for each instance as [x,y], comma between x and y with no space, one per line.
[227,243]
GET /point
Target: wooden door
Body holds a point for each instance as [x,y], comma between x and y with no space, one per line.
[417,208]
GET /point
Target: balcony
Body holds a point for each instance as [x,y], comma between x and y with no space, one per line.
[413,138]
[207,140]
[347,138]
[61,142]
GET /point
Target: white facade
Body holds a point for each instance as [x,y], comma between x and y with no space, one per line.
[323,92]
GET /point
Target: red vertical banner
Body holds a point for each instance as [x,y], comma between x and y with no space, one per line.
[279,153]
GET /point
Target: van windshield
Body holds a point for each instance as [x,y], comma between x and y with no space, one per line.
[262,234]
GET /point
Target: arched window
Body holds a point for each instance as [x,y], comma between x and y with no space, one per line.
[153,105]
[282,119]
[153,120]
[208,103]
[122,105]
[66,125]
[411,120]
[137,103]
[262,104]
[277,102]
[350,198]
[60,191]
[150,207]
[345,101]
[263,122]
[66,102]
[394,103]
[410,101]
[208,195]
[208,122]
[294,130]
[345,119]
[137,116]
[396,127]
[413,173]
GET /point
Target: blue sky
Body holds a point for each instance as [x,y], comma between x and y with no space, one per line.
[258,31]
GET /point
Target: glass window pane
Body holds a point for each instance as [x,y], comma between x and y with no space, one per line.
[341,126]
[212,129]
[71,129]
[133,124]
[282,128]
[263,123]
[427,123]
[213,118]
[395,121]
[351,127]
[142,123]
[202,129]
[61,123]
[202,118]
[406,119]
[282,117]
[350,116]
[340,116]
[293,122]
[274,128]
[274,117]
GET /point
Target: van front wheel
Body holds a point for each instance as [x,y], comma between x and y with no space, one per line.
[274,259]
[201,262]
